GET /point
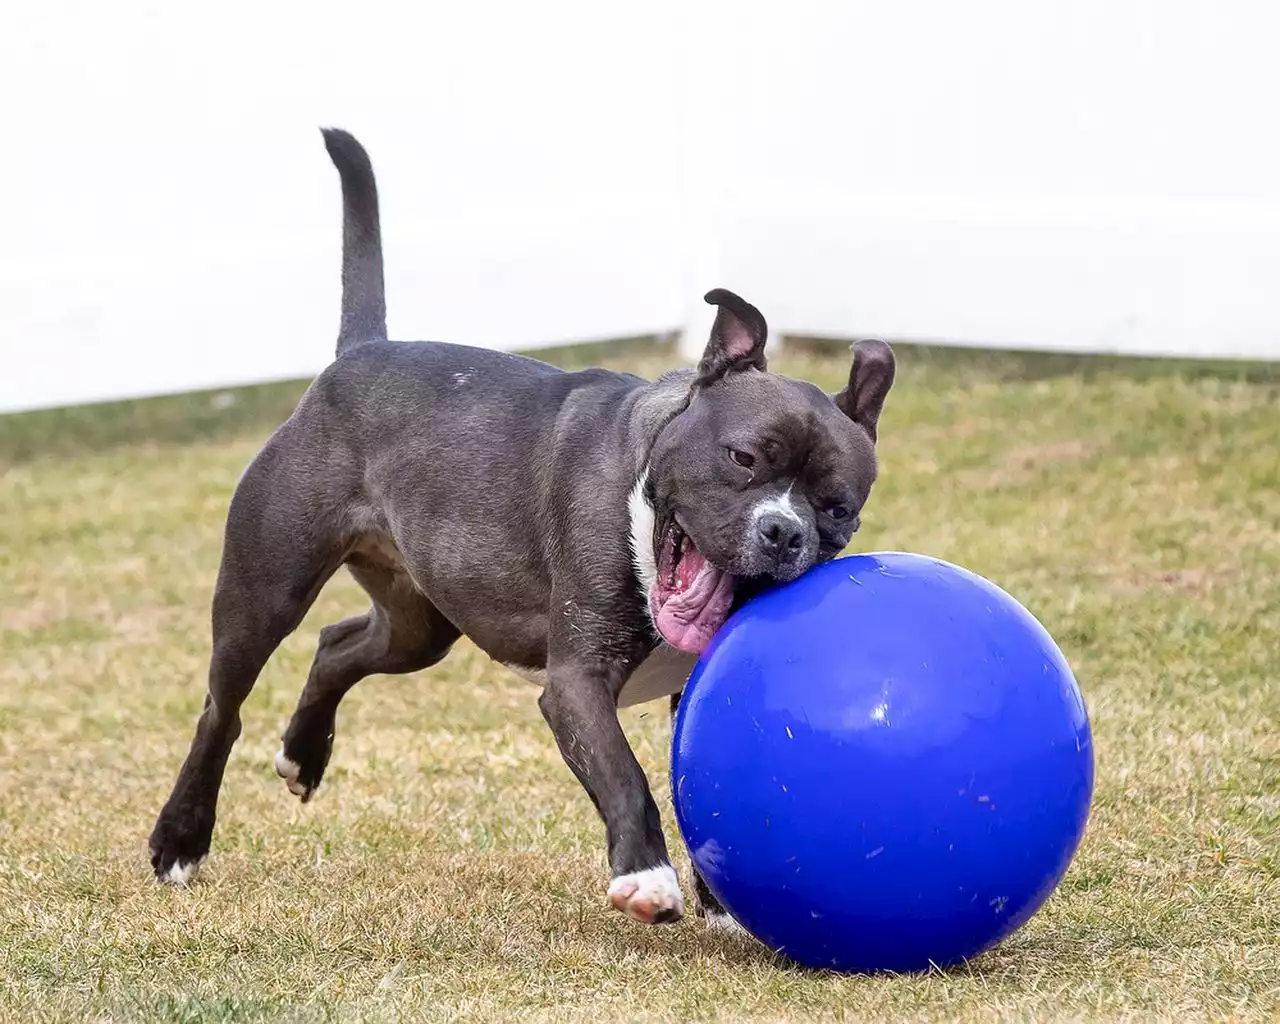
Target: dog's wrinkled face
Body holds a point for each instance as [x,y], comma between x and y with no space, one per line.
[759,478]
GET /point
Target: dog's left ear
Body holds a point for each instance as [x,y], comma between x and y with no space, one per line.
[869,383]
[737,338]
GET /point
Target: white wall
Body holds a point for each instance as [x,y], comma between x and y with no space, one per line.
[1079,174]
[1083,174]
[171,220]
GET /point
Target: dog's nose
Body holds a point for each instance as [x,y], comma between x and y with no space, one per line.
[780,537]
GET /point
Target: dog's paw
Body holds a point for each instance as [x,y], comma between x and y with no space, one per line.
[650,897]
[720,923]
[181,872]
[291,772]
[178,846]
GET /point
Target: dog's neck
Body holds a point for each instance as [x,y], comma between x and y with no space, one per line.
[657,405]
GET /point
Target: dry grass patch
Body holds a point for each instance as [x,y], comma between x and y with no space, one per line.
[451,869]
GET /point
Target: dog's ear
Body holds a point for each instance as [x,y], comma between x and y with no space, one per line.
[737,338]
[869,382]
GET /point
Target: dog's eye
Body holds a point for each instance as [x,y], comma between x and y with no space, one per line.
[743,459]
[838,512]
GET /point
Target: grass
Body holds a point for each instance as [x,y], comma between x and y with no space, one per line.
[451,869]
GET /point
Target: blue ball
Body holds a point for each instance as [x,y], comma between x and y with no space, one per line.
[882,766]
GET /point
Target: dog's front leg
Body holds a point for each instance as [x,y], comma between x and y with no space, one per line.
[579,702]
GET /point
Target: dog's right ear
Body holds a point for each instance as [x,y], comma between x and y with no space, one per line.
[737,338]
[870,379]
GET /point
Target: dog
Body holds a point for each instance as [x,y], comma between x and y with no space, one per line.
[575,526]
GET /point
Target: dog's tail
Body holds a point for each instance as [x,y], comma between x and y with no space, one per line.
[364,302]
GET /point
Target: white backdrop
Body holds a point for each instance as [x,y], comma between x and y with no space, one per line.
[1099,175]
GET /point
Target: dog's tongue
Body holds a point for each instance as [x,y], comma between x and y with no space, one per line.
[689,618]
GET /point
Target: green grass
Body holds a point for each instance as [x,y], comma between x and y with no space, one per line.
[451,869]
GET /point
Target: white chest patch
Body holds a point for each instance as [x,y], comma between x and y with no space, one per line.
[641,514]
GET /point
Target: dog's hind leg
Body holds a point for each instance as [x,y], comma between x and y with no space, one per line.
[278,553]
[402,632]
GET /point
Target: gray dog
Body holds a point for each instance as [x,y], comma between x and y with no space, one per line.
[572,525]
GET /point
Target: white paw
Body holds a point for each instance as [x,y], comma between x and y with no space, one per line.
[181,873]
[651,896]
[289,771]
[719,923]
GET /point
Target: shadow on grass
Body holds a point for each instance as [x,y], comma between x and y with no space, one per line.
[1077,942]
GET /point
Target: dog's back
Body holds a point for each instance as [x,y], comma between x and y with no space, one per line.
[394,448]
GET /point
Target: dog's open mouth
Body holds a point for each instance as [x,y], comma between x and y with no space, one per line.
[691,598]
